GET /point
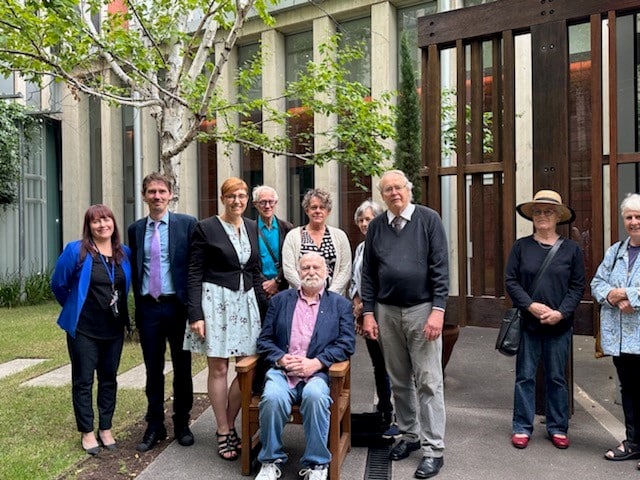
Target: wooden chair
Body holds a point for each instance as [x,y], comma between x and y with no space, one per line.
[339,427]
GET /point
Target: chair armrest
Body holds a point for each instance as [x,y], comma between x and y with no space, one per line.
[339,369]
[247,364]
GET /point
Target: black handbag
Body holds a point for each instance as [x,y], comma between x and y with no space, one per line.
[508,340]
[509,335]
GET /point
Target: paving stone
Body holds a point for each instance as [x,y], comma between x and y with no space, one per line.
[137,376]
[55,378]
[14,366]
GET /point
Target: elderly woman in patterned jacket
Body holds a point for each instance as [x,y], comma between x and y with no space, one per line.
[616,286]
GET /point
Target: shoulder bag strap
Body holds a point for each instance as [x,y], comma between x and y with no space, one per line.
[545,264]
[266,244]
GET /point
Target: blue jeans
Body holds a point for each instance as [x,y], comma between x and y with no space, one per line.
[554,351]
[275,409]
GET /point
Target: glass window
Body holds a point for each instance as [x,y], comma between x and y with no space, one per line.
[6,85]
[251,159]
[358,32]
[299,51]
[208,178]
[128,134]
[408,25]
[33,95]
[351,196]
[95,150]
[472,3]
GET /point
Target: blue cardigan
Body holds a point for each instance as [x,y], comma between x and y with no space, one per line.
[70,283]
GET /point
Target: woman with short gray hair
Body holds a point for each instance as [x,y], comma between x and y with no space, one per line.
[316,236]
[366,212]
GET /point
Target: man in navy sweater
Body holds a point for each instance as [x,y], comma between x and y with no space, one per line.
[405,285]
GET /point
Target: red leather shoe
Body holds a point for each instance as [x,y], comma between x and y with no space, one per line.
[561,442]
[519,442]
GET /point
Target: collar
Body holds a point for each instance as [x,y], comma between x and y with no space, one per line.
[406,213]
[261,224]
[164,219]
[317,299]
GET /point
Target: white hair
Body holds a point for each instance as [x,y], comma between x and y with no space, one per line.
[260,189]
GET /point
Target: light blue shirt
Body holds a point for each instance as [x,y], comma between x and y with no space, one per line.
[167,280]
[272,235]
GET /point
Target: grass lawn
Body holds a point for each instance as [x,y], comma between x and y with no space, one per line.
[37,426]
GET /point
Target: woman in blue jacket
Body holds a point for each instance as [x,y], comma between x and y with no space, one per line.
[91,282]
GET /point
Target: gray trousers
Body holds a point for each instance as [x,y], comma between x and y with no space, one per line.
[414,365]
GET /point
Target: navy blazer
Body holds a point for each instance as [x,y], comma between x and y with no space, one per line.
[333,339]
[180,230]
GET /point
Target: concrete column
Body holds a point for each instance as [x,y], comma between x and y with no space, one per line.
[384,63]
[228,155]
[75,168]
[327,176]
[275,169]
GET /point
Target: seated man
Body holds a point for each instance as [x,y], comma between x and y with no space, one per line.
[304,333]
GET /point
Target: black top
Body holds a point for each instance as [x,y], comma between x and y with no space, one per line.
[96,318]
[408,267]
[561,288]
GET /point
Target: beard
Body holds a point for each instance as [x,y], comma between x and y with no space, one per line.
[312,282]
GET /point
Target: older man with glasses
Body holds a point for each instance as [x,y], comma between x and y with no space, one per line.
[404,290]
[271,233]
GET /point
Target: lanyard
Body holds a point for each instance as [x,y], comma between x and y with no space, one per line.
[112,273]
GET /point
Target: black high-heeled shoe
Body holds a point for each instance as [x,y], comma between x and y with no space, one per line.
[91,450]
[111,447]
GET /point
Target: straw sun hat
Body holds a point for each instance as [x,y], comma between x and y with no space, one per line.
[547,197]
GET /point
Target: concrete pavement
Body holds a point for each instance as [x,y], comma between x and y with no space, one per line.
[478,395]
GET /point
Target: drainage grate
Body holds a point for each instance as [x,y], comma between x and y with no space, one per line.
[378,464]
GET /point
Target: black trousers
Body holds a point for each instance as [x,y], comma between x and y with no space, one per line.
[160,322]
[628,366]
[89,355]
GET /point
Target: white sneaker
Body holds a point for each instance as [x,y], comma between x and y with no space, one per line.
[320,472]
[269,471]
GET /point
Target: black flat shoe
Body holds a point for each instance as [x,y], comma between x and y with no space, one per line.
[403,448]
[151,439]
[184,436]
[429,467]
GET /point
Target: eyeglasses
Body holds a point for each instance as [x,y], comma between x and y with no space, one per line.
[239,196]
[547,213]
[264,203]
[393,188]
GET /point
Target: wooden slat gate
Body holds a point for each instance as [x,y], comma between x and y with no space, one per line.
[469,163]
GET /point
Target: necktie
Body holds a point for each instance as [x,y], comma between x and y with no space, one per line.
[155,266]
[397,223]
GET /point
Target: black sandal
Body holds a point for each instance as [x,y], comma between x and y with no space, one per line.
[617,455]
[226,446]
[235,439]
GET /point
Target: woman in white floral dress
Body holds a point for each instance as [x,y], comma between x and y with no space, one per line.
[225,300]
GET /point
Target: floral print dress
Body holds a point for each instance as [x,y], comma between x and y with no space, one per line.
[232,318]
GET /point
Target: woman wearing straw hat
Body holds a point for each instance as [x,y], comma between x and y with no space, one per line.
[548,315]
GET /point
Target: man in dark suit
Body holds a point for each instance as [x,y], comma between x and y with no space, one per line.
[304,333]
[271,233]
[160,256]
